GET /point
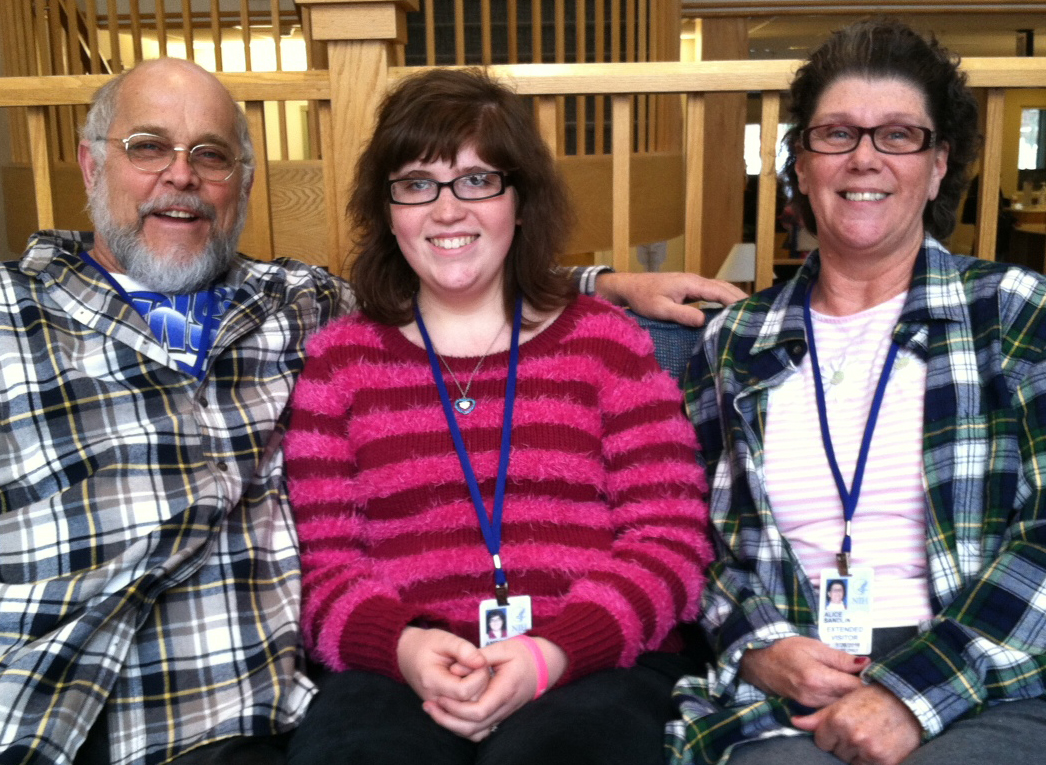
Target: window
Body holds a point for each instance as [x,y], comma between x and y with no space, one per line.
[1031,152]
[753,163]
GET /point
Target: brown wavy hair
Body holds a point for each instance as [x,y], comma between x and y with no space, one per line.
[429,117]
[885,48]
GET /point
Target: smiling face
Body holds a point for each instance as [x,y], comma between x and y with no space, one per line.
[866,203]
[169,229]
[836,593]
[456,248]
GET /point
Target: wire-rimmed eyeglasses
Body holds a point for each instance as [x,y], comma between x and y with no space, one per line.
[887,139]
[471,187]
[154,154]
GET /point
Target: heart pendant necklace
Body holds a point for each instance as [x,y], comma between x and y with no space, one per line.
[464,404]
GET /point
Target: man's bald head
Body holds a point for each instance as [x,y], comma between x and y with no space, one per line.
[173,227]
[155,73]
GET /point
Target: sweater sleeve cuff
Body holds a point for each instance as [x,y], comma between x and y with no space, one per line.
[933,677]
[372,634]
[728,675]
[590,637]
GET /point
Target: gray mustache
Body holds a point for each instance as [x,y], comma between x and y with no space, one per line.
[187,202]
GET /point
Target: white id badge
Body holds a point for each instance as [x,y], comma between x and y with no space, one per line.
[502,622]
[845,610]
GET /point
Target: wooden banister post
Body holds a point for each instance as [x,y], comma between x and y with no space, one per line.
[40,150]
[722,39]
[359,35]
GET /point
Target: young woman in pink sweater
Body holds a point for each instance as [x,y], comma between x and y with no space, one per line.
[478,446]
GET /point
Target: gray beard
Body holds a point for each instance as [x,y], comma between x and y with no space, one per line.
[172,273]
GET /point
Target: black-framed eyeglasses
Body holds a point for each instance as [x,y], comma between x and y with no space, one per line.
[888,139]
[471,187]
[154,154]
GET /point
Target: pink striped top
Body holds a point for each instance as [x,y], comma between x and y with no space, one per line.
[604,517]
[889,529]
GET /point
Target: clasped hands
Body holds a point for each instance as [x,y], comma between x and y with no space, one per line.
[858,723]
[466,689]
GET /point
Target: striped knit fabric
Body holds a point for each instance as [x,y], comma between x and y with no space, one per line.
[604,520]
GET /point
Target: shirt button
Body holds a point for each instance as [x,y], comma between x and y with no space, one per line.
[223,467]
[796,349]
[203,403]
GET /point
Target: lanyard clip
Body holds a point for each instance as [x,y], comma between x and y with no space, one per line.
[501,593]
[500,582]
[842,560]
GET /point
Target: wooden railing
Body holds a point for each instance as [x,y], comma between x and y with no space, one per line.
[81,37]
[39,94]
[546,82]
[359,70]
[769,79]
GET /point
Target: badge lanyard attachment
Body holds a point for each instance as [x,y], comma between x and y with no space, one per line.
[849,496]
[491,528]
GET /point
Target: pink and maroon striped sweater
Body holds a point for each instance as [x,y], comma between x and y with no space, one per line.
[604,518]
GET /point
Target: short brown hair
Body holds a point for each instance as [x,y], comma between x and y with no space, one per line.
[885,48]
[430,116]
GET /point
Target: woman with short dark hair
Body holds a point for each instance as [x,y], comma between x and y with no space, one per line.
[879,419]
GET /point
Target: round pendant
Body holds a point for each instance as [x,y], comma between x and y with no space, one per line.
[465,405]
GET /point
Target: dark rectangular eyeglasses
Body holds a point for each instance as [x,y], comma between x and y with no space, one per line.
[888,139]
[471,187]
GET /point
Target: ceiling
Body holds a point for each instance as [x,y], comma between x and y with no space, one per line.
[791,36]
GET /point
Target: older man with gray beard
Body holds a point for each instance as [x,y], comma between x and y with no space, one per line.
[149,573]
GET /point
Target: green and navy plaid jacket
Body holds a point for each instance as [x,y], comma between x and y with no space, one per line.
[149,568]
[981,328]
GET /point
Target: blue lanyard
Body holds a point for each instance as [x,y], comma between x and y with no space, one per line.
[197,369]
[491,528]
[849,496]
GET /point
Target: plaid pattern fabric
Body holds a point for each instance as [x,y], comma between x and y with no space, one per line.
[981,327]
[149,567]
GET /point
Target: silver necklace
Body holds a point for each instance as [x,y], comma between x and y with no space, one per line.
[463,404]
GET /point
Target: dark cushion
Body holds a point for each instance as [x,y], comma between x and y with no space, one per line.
[674,344]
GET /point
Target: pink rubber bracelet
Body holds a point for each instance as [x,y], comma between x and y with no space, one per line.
[539,663]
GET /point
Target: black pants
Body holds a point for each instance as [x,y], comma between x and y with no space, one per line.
[239,750]
[609,717]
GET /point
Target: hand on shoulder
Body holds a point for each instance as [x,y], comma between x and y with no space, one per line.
[664,296]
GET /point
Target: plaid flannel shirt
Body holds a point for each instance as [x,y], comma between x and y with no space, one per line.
[981,328]
[149,567]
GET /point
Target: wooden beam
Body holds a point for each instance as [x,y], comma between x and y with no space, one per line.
[161,27]
[244,86]
[365,64]
[361,22]
[259,203]
[245,33]
[136,30]
[459,31]
[187,30]
[40,153]
[766,210]
[717,76]
[621,152]
[430,32]
[486,55]
[547,125]
[216,37]
[693,230]
[991,165]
